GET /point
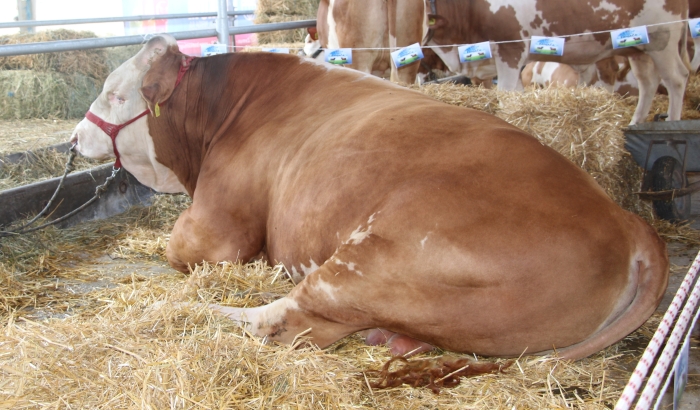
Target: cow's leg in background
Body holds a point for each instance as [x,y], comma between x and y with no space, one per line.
[404,17]
[673,68]
[510,58]
[695,62]
[644,70]
[211,235]
[587,75]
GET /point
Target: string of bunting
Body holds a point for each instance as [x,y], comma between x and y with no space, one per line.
[553,46]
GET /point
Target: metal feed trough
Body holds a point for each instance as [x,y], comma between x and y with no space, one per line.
[667,151]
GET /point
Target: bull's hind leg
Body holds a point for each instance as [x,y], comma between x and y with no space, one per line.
[314,308]
[284,319]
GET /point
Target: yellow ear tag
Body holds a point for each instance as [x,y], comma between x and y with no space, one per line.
[431,22]
[157,110]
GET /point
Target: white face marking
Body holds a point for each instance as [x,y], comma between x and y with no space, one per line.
[311,46]
[118,103]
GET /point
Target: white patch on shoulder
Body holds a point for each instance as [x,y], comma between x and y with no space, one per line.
[372,217]
[358,235]
[422,242]
[310,269]
[325,287]
[350,266]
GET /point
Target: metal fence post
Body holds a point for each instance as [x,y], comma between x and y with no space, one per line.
[222,24]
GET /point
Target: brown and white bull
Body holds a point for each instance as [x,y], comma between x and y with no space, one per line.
[441,225]
[372,29]
[466,22]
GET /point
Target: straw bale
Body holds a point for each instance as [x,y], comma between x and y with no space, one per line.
[89,63]
[278,11]
[294,48]
[115,56]
[305,8]
[35,94]
[280,36]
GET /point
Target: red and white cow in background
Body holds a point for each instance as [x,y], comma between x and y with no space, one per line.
[371,28]
[500,21]
[546,74]
[614,74]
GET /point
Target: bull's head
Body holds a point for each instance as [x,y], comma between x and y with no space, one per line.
[120,102]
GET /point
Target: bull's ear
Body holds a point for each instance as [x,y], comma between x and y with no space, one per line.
[313,33]
[152,49]
[159,81]
[436,21]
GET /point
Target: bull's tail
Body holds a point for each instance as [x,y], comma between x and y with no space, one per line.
[649,268]
[683,49]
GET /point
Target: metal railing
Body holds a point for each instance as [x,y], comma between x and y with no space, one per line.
[90,43]
[40,23]
[223,32]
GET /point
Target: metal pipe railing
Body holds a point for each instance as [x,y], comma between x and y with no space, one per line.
[38,23]
[222,24]
[90,43]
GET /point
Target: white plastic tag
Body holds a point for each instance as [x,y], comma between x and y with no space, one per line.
[629,37]
[694,25]
[281,50]
[213,49]
[407,55]
[474,52]
[339,56]
[551,46]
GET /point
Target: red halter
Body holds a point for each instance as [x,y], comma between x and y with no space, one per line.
[113,129]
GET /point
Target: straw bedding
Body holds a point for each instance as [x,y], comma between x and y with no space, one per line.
[109,348]
[79,328]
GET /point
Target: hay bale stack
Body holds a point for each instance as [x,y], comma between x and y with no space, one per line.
[91,63]
[50,85]
[278,11]
[33,94]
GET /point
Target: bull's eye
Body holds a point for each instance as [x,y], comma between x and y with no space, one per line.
[114,98]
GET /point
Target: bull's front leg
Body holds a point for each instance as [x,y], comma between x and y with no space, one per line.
[212,236]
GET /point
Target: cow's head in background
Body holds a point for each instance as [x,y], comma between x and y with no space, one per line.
[121,101]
